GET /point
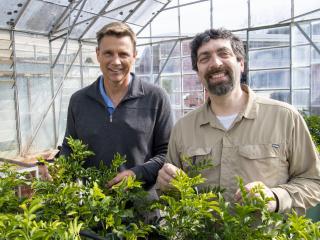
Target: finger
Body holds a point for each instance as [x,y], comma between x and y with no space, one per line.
[170,169]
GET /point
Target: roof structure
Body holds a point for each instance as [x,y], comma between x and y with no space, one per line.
[51,17]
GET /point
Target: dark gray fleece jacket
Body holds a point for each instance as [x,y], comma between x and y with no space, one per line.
[139,128]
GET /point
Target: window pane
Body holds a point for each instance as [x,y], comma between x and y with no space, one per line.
[172,66]
[269,12]
[143,62]
[238,9]
[193,99]
[315,89]
[271,37]
[186,48]
[303,6]
[270,79]
[315,54]
[301,56]
[301,78]
[187,66]
[281,95]
[191,83]
[300,99]
[200,11]
[166,48]
[278,57]
[297,35]
[166,23]
[171,83]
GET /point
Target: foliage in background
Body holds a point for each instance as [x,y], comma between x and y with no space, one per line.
[313,123]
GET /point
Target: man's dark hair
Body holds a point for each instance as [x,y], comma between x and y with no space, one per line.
[117,29]
[201,38]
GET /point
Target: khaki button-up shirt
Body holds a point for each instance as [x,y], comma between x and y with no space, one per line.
[268,142]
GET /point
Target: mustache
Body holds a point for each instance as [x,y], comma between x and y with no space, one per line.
[212,71]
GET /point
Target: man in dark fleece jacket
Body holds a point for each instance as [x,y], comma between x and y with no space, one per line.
[119,113]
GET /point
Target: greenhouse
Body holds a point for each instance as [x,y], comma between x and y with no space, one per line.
[48,51]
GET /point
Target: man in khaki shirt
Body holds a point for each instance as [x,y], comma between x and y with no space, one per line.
[261,140]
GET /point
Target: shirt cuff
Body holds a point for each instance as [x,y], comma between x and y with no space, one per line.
[285,201]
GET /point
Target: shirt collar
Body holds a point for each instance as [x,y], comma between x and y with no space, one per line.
[249,112]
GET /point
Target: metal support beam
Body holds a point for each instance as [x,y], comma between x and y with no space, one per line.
[52,96]
[96,18]
[102,15]
[51,102]
[69,31]
[63,17]
[298,16]
[307,37]
[165,63]
[135,9]
[16,94]
[161,9]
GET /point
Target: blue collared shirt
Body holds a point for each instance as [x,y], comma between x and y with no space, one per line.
[107,100]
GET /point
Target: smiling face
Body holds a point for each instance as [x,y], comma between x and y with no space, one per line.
[116,56]
[218,67]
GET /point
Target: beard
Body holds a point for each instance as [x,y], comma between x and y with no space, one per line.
[219,88]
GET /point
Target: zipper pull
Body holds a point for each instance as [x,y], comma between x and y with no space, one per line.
[110,117]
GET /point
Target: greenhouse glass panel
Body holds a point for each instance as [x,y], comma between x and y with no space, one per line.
[177,114]
[175,100]
[36,16]
[230,14]
[192,100]
[315,88]
[297,35]
[165,49]
[200,11]
[316,31]
[166,24]
[156,58]
[303,7]
[269,12]
[301,56]
[191,82]
[144,36]
[89,57]
[8,132]
[172,66]
[145,12]
[281,95]
[186,48]
[90,74]
[269,58]
[301,99]
[143,61]
[315,54]
[271,37]
[187,65]
[9,11]
[270,79]
[301,78]
[171,83]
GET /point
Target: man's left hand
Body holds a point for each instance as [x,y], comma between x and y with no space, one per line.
[272,205]
[120,176]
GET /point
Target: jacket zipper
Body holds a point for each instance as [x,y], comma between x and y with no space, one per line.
[110,118]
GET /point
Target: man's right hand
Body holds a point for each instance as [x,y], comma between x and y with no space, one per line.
[165,175]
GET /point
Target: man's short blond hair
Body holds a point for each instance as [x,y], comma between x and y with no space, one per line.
[117,29]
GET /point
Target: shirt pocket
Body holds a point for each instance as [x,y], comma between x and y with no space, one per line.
[197,156]
[261,163]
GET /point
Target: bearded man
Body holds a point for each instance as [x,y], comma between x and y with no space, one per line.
[264,141]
